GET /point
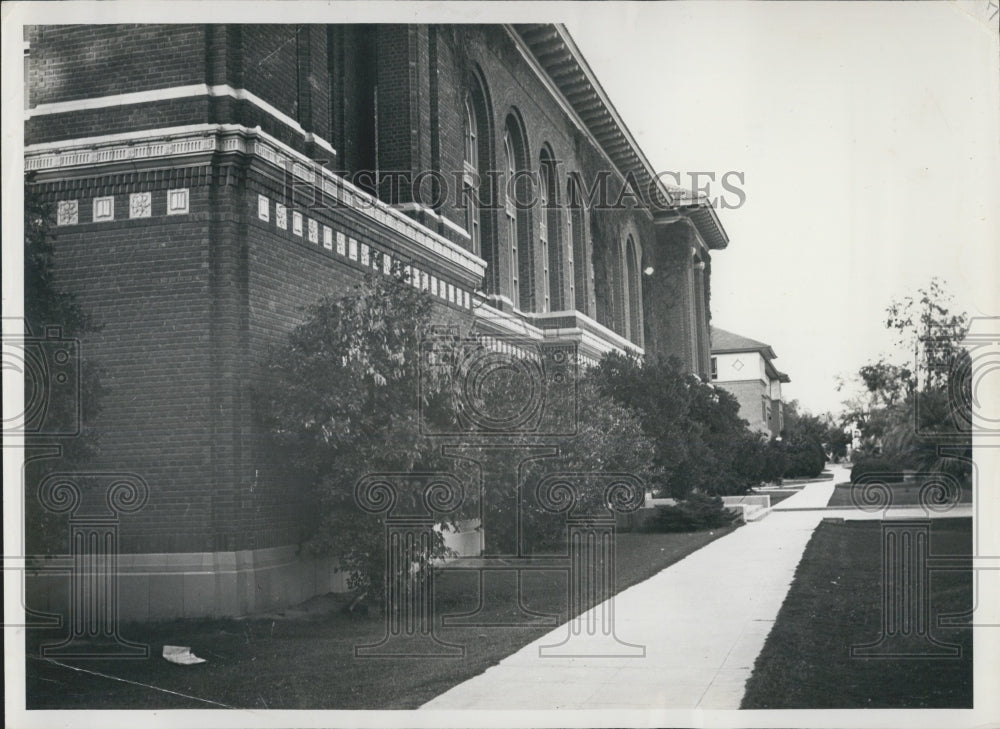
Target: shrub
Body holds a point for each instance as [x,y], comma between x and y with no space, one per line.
[696,512]
[804,459]
[883,467]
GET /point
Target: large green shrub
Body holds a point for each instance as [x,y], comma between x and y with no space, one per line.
[804,458]
[700,444]
[696,512]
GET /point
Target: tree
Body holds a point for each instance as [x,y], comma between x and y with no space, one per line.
[339,399]
[805,439]
[901,406]
[344,396]
[701,445]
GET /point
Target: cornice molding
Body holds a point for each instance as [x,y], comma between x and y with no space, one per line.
[176,92]
[179,143]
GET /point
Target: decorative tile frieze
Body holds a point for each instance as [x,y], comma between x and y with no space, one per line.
[352,249]
[327,237]
[68,212]
[313,228]
[297,223]
[281,216]
[177,201]
[201,139]
[341,243]
[104,209]
[364,254]
[140,205]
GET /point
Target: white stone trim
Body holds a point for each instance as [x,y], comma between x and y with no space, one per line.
[176,92]
[68,212]
[178,201]
[140,205]
[411,207]
[206,138]
[104,209]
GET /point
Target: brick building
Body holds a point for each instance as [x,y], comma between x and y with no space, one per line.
[210,180]
[745,367]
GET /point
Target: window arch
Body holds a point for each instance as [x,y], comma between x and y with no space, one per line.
[517,193]
[576,222]
[471,177]
[633,292]
[617,288]
[553,247]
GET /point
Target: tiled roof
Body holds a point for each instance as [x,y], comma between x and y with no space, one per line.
[724,341]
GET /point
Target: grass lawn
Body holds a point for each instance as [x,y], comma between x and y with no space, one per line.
[834,602]
[308,662]
[903,494]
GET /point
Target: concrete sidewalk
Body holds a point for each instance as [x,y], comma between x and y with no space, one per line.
[702,621]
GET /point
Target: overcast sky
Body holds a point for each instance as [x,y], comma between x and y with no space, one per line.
[868,135]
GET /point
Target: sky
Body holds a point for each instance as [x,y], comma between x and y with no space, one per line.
[869,139]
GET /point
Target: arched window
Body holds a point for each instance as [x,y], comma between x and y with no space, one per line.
[518,193]
[477,189]
[553,251]
[577,249]
[471,177]
[633,298]
[617,288]
[510,213]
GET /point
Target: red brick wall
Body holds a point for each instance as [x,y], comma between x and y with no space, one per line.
[146,283]
[190,303]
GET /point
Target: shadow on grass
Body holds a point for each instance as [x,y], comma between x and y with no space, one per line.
[834,602]
[304,659]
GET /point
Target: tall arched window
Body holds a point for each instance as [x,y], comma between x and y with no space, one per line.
[553,253]
[470,177]
[510,213]
[518,194]
[617,288]
[577,248]
[633,298]
[543,233]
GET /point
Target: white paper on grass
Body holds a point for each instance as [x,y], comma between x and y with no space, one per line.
[181,654]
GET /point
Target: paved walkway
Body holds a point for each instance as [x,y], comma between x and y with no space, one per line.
[703,621]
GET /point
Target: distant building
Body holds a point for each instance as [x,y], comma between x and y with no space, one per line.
[745,367]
